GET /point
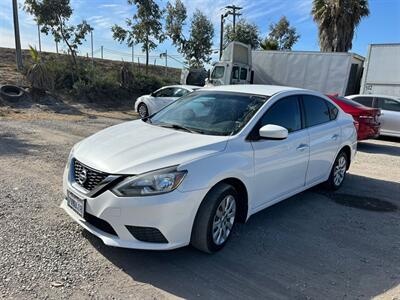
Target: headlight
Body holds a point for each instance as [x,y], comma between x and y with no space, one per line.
[152,183]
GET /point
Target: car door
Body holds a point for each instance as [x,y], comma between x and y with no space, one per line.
[324,133]
[390,115]
[163,97]
[280,165]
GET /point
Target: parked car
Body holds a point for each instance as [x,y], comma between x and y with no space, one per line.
[215,157]
[366,117]
[390,111]
[149,104]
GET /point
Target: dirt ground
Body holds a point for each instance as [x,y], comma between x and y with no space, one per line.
[315,245]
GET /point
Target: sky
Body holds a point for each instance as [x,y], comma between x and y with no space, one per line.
[382,26]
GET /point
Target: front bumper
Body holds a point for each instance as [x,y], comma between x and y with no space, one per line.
[172,214]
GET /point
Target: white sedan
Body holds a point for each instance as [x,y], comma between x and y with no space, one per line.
[147,105]
[390,111]
[215,157]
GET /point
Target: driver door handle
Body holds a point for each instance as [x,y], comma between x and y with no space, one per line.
[302,147]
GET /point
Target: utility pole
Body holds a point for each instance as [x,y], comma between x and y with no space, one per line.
[38,32]
[57,47]
[18,53]
[166,62]
[221,36]
[233,11]
[101,50]
[91,42]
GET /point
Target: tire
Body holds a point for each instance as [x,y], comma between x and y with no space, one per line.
[11,92]
[211,209]
[143,111]
[338,172]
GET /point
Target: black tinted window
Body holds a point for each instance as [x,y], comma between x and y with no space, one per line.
[316,110]
[388,104]
[243,74]
[333,111]
[167,92]
[180,92]
[285,113]
[367,101]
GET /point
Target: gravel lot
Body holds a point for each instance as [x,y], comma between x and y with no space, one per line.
[315,245]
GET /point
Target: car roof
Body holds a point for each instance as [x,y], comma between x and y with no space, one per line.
[257,89]
[185,86]
[374,95]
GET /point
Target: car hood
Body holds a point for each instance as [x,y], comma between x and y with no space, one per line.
[136,147]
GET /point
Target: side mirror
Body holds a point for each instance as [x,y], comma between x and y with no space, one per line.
[273,132]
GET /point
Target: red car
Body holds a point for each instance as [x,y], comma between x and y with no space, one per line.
[367,118]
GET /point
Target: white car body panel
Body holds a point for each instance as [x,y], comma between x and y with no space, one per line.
[390,120]
[154,104]
[271,170]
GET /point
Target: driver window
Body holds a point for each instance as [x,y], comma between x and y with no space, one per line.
[167,92]
[285,113]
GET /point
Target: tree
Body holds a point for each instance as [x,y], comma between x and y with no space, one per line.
[52,16]
[268,44]
[245,32]
[281,36]
[337,21]
[196,49]
[144,28]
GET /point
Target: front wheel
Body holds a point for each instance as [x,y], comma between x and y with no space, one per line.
[143,111]
[338,172]
[215,219]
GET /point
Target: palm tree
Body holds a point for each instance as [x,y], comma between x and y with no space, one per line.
[337,21]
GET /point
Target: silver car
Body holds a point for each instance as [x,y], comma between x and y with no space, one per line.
[390,111]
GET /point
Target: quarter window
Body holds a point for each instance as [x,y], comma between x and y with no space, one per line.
[388,104]
[285,113]
[316,110]
[333,111]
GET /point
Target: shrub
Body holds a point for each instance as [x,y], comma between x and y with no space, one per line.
[38,75]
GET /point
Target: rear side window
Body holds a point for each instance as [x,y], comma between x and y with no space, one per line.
[285,113]
[316,110]
[367,101]
[235,73]
[333,111]
[388,104]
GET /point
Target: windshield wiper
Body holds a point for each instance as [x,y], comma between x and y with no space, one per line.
[178,127]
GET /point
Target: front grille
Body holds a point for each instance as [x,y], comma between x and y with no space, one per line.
[99,223]
[147,234]
[87,177]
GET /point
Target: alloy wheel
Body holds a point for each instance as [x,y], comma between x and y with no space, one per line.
[339,171]
[223,220]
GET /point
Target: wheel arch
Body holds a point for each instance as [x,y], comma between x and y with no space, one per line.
[243,201]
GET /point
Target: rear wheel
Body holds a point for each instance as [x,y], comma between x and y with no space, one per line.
[338,172]
[215,219]
[143,111]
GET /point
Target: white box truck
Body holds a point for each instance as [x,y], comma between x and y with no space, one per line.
[382,70]
[329,73]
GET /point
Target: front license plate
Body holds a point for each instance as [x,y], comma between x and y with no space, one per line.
[77,204]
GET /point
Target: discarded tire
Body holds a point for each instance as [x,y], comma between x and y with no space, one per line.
[11,92]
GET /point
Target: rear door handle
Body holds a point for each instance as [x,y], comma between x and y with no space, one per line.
[302,147]
[334,137]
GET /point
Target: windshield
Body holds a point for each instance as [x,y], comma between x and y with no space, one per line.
[213,113]
[218,72]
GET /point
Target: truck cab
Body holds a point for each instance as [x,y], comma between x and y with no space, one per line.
[234,66]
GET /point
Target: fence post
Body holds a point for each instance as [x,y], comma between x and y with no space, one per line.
[57,47]
[133,57]
[101,52]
